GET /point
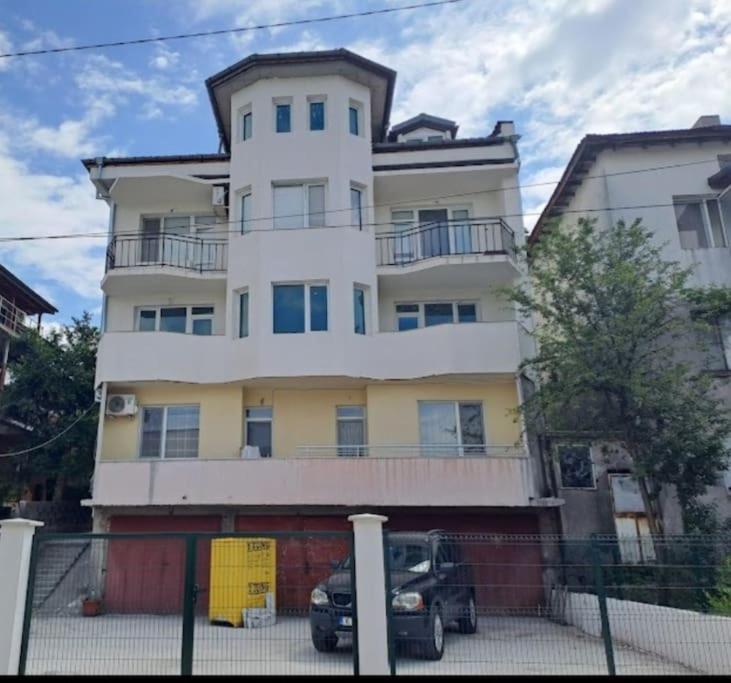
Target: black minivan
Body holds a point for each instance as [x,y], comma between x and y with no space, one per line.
[431,587]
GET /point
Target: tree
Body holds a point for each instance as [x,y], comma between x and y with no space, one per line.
[618,357]
[52,386]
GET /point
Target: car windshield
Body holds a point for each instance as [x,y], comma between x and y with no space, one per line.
[404,557]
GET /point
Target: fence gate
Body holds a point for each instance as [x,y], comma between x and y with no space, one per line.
[191,603]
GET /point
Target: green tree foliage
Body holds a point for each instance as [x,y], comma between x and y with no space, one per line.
[52,385]
[719,600]
[614,360]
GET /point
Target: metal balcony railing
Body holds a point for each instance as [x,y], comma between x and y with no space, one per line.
[175,251]
[412,451]
[445,238]
[12,319]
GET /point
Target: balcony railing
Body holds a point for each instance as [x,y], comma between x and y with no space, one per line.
[175,251]
[411,451]
[444,238]
[12,319]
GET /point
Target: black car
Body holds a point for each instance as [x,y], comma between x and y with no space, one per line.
[431,587]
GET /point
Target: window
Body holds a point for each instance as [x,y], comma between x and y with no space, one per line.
[181,319]
[293,309]
[351,430]
[409,316]
[432,232]
[245,212]
[259,430]
[356,207]
[247,125]
[169,432]
[451,428]
[703,222]
[359,309]
[575,466]
[202,320]
[435,138]
[317,115]
[630,520]
[299,206]
[283,118]
[243,314]
[354,118]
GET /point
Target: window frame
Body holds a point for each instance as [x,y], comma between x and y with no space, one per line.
[305,201]
[189,317]
[246,113]
[460,446]
[361,448]
[240,294]
[365,290]
[357,107]
[307,304]
[561,484]
[163,432]
[278,102]
[421,313]
[269,420]
[317,99]
[245,200]
[360,190]
[703,201]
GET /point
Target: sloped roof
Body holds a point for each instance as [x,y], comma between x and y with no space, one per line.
[25,298]
[422,121]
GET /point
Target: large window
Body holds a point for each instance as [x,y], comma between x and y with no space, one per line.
[300,308]
[433,232]
[259,431]
[351,430]
[197,320]
[703,222]
[359,309]
[170,431]
[317,115]
[409,316]
[166,240]
[575,467]
[299,206]
[451,428]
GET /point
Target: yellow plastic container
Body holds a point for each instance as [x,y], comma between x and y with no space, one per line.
[243,571]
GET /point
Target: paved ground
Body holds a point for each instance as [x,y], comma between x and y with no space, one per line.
[151,645]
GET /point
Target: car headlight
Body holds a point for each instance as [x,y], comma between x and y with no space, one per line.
[319,597]
[407,601]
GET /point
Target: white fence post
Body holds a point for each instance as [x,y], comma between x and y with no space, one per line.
[370,586]
[16,541]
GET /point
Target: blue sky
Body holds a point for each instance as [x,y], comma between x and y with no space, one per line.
[558,68]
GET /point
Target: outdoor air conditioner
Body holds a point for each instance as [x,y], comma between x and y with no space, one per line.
[219,195]
[121,404]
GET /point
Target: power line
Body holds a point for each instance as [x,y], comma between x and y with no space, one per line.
[219,32]
[52,439]
[132,233]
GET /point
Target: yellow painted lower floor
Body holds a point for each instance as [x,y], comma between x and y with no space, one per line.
[303,417]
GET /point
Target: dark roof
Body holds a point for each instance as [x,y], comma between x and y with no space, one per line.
[381,147]
[586,152]
[722,179]
[170,159]
[279,59]
[422,121]
[22,295]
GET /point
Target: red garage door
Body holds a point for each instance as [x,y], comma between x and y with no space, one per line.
[145,575]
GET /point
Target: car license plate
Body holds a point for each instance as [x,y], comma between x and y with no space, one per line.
[346,621]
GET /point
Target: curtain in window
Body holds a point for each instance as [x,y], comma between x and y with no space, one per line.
[288,205]
[351,433]
[438,426]
[316,205]
[181,437]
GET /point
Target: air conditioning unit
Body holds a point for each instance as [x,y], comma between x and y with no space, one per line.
[219,196]
[121,404]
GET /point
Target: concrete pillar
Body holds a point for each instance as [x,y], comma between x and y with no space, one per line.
[370,585]
[16,541]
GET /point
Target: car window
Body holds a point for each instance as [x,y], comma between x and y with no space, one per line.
[410,557]
[444,554]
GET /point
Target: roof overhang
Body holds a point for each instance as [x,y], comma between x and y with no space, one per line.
[423,121]
[379,79]
[22,295]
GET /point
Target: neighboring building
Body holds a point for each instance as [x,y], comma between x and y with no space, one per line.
[17,303]
[679,183]
[305,324]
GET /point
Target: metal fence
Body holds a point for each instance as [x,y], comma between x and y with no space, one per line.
[188,603]
[188,253]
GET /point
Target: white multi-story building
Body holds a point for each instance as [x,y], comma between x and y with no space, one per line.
[307,322]
[679,183]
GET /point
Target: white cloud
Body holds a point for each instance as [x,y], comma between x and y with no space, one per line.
[6,45]
[164,58]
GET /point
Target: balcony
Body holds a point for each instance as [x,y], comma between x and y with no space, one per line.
[167,251]
[477,237]
[12,319]
[501,478]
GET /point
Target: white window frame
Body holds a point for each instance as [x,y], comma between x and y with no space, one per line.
[360,118]
[306,284]
[305,204]
[404,224]
[317,99]
[188,316]
[245,111]
[593,487]
[245,195]
[422,315]
[163,431]
[357,222]
[237,313]
[279,102]
[366,307]
[362,448]
[460,446]
[269,419]
[706,217]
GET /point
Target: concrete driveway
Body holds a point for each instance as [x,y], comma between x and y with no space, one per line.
[124,644]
